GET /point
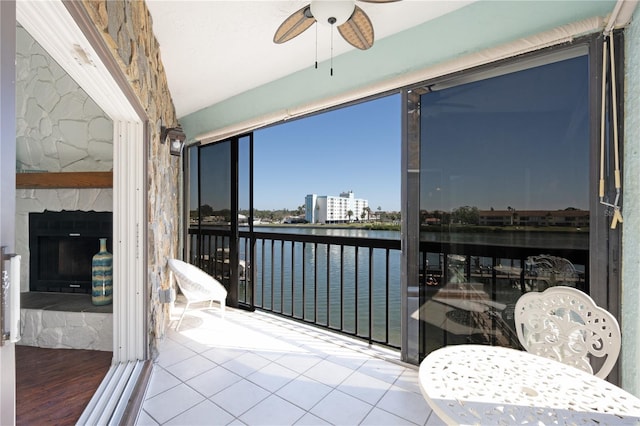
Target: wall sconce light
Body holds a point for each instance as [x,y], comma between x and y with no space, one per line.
[175,137]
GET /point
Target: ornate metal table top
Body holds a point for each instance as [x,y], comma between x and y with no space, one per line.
[475,384]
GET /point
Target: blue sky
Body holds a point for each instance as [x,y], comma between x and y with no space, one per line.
[356,148]
[520,140]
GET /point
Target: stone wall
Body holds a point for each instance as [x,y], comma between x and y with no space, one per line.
[59,129]
[67,330]
[126,27]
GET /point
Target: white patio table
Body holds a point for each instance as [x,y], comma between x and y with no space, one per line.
[490,385]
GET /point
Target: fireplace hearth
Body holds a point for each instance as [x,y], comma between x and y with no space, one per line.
[62,245]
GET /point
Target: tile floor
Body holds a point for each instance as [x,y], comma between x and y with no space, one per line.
[260,369]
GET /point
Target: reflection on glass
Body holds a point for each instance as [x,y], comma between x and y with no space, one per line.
[504,203]
[244,216]
[210,250]
[193,201]
[215,192]
[244,178]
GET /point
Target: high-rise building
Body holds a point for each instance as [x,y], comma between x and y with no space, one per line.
[331,209]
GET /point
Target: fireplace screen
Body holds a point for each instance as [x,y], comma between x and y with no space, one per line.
[62,245]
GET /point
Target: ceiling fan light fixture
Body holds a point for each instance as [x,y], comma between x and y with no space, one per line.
[352,22]
[332,12]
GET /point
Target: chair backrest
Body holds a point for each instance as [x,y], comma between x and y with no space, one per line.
[195,283]
[564,324]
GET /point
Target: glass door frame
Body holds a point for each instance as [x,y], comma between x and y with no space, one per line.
[234,142]
[604,243]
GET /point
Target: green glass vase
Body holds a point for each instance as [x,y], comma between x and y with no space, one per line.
[102,276]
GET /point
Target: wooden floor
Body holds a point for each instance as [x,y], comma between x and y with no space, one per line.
[53,386]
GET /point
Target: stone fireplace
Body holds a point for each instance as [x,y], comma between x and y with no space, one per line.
[62,244]
[62,316]
[57,247]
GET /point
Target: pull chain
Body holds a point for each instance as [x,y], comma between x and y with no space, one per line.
[332,27]
[332,22]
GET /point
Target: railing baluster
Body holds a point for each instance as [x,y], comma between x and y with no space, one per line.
[282,246]
[262,269]
[273,242]
[304,281]
[370,295]
[467,271]
[293,274]
[386,292]
[342,287]
[328,284]
[355,282]
[206,258]
[315,283]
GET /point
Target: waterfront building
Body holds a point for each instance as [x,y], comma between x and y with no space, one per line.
[331,209]
[569,217]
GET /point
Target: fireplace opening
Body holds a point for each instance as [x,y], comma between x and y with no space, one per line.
[62,245]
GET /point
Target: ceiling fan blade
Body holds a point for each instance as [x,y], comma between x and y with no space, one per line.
[358,30]
[379,1]
[294,25]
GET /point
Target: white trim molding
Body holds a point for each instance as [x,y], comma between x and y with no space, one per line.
[53,27]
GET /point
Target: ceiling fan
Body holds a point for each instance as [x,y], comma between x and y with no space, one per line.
[353,24]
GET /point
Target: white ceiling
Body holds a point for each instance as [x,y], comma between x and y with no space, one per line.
[213,50]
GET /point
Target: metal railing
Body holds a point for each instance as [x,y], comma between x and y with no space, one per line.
[345,284]
[349,285]
[352,285]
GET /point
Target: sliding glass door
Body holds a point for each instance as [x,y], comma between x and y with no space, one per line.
[506,194]
[220,209]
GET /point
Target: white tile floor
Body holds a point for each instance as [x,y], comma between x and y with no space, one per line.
[260,369]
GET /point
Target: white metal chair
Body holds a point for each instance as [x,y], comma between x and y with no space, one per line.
[565,324]
[197,286]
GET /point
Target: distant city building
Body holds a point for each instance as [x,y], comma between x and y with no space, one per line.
[331,209]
